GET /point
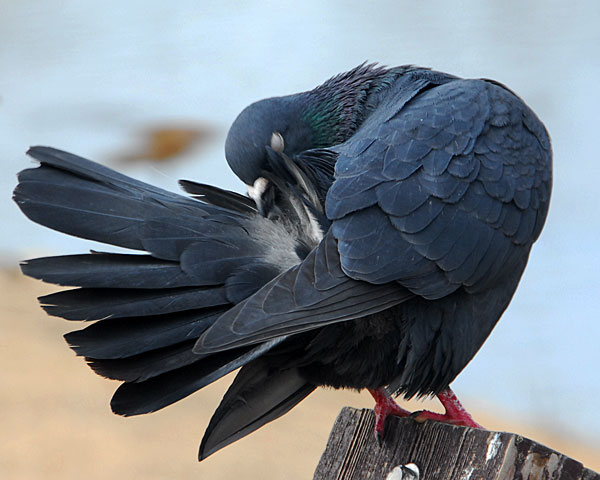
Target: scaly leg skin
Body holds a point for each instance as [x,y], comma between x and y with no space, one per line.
[455,412]
[384,406]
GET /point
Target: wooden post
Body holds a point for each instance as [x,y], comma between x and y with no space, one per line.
[440,451]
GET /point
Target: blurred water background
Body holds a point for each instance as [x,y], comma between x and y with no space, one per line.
[91,77]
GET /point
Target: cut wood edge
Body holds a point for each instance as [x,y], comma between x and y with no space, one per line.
[440,451]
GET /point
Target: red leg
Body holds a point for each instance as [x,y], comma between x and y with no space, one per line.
[384,406]
[455,412]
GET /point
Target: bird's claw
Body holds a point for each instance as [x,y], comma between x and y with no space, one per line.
[384,406]
[379,437]
[455,413]
[464,420]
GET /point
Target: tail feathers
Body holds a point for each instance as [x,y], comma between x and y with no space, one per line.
[109,270]
[193,243]
[141,367]
[65,202]
[168,237]
[102,303]
[138,398]
[82,198]
[202,256]
[248,279]
[215,259]
[131,336]
[92,171]
[219,197]
[257,396]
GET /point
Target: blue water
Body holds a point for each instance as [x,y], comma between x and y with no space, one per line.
[85,76]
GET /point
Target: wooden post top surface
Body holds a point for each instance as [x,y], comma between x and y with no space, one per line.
[440,451]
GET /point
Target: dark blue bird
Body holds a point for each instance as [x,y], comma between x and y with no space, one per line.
[390,216]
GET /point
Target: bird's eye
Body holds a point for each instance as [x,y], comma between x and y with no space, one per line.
[277,142]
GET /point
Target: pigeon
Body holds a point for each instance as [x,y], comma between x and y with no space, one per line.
[389,216]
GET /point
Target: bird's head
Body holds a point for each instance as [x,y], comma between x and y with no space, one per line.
[320,118]
[274,123]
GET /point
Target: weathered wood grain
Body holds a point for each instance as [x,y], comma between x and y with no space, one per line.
[440,451]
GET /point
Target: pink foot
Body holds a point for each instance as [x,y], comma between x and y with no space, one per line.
[384,406]
[455,412]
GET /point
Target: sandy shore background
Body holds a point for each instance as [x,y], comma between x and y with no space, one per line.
[56,422]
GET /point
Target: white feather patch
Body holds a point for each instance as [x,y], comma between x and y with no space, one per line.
[256,191]
[315,232]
